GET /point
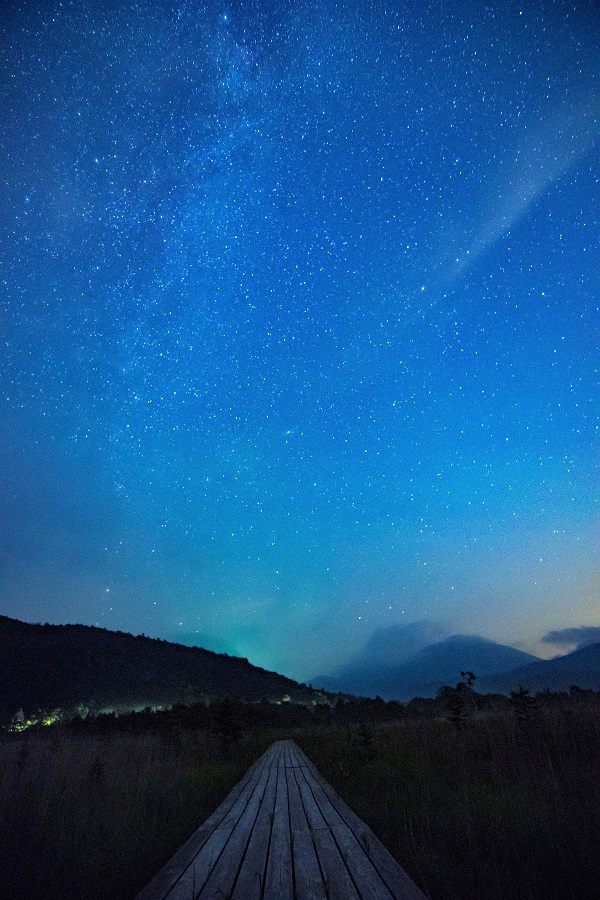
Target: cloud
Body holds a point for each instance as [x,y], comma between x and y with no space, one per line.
[546,151]
[580,637]
[398,643]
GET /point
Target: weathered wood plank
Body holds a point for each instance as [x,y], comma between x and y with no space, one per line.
[224,874]
[397,881]
[278,878]
[308,880]
[249,884]
[282,834]
[336,878]
[166,879]
[369,884]
[198,872]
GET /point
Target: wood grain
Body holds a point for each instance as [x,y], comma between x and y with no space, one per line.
[282,834]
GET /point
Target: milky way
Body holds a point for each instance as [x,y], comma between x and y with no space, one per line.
[297,320]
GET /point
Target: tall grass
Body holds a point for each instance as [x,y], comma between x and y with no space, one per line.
[494,810]
[499,809]
[94,816]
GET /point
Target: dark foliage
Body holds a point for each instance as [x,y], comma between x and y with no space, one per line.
[491,809]
[68,666]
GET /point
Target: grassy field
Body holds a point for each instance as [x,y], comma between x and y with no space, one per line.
[500,808]
[493,810]
[92,816]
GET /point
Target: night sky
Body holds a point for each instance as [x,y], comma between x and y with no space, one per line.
[297,320]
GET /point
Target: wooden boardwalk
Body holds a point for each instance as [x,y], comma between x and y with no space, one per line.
[282,834]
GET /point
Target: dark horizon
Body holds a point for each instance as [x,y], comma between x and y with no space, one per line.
[400,647]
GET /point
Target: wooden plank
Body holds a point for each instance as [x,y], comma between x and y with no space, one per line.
[197,874]
[368,884]
[282,834]
[336,878]
[278,879]
[171,873]
[308,881]
[251,877]
[224,874]
[399,884]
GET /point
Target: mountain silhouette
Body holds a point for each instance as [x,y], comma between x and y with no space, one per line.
[66,666]
[581,667]
[398,643]
[427,670]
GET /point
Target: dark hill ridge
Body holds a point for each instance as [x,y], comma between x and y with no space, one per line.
[64,666]
[581,667]
[498,669]
[427,670]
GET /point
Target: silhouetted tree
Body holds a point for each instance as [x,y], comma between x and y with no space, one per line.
[523,704]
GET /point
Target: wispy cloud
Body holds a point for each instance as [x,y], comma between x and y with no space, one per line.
[546,151]
[398,643]
[580,637]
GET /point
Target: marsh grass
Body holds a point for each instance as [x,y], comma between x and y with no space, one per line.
[493,811]
[501,809]
[91,816]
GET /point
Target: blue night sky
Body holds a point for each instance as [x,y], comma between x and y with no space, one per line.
[297,319]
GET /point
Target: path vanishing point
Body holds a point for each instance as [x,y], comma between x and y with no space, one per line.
[282,834]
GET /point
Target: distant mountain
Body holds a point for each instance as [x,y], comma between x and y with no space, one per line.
[581,667]
[65,666]
[398,643]
[431,667]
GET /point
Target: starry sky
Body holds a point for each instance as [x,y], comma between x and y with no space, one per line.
[297,320]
